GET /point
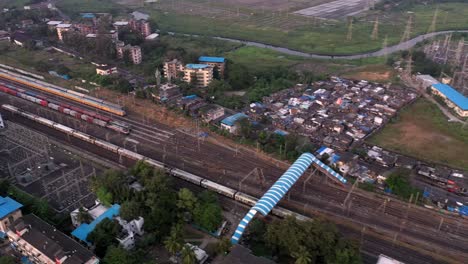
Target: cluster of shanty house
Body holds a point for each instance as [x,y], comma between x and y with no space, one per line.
[334,113]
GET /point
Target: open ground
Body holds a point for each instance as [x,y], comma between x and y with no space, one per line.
[281,27]
[422,131]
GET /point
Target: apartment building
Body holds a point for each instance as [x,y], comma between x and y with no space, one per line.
[199,74]
[142,26]
[135,52]
[172,69]
[61,29]
[38,241]
[218,64]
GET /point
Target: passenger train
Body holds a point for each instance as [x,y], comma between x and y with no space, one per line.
[62,92]
[189,177]
[88,116]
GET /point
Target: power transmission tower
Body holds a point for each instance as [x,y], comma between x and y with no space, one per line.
[459,51]
[409,65]
[408,29]
[375,31]
[384,47]
[349,37]
[432,27]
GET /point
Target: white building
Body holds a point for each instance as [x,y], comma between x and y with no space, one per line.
[129,230]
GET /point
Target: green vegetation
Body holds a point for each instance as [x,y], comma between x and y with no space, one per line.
[104,235]
[399,184]
[7,260]
[258,59]
[422,130]
[75,7]
[165,211]
[307,35]
[315,241]
[42,61]
[14,3]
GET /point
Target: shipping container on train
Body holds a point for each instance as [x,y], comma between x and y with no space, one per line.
[62,92]
[181,174]
[67,109]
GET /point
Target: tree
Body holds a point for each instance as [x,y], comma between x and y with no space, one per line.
[188,256]
[4,187]
[208,213]
[399,183]
[310,242]
[239,77]
[302,256]
[84,216]
[111,187]
[173,243]
[130,210]
[223,245]
[7,260]
[104,235]
[117,255]
[186,201]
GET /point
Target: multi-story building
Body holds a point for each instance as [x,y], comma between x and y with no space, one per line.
[85,29]
[172,69]
[38,241]
[141,26]
[61,29]
[199,74]
[218,64]
[134,51]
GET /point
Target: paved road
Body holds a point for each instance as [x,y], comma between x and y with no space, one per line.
[389,50]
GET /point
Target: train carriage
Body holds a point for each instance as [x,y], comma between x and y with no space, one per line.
[106,145]
[218,188]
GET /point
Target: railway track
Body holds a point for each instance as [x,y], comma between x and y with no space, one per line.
[239,165]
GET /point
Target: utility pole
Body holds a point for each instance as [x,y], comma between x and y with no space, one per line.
[375,31]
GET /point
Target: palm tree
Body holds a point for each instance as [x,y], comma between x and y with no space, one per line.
[172,243]
[188,256]
[302,256]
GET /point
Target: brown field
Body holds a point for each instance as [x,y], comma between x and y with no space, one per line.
[374,73]
[423,131]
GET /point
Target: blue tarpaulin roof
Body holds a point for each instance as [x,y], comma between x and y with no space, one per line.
[453,95]
[88,15]
[211,59]
[196,66]
[193,96]
[8,206]
[82,231]
[230,120]
[281,132]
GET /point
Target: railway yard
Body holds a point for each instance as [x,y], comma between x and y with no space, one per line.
[383,225]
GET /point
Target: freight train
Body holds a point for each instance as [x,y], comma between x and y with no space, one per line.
[62,92]
[186,176]
[76,112]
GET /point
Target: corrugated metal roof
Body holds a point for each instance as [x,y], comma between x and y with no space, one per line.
[8,206]
[211,59]
[82,231]
[196,66]
[453,95]
[230,120]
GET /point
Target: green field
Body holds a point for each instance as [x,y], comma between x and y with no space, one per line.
[13,3]
[28,60]
[281,29]
[327,38]
[422,131]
